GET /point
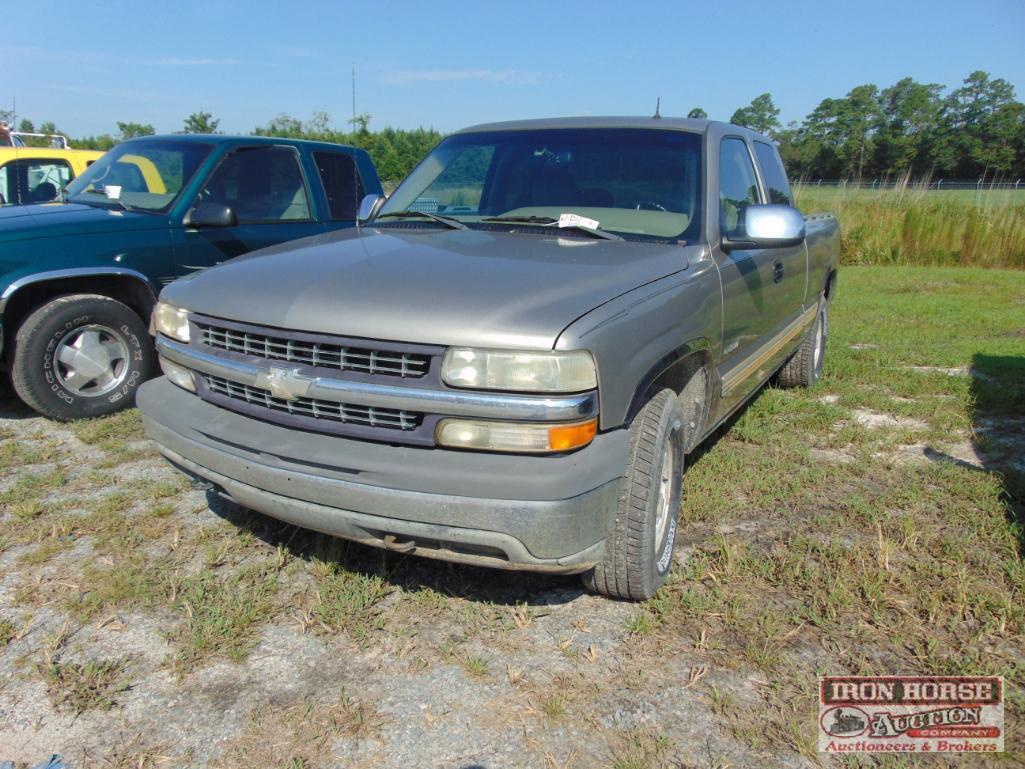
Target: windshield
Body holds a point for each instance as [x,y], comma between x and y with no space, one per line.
[145,176]
[638,183]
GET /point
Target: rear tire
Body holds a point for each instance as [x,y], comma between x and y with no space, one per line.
[639,547]
[80,356]
[805,366]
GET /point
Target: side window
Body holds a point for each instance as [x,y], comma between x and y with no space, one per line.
[260,184]
[40,181]
[775,177]
[342,183]
[46,178]
[738,185]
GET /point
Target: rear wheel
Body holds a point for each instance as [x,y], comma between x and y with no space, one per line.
[80,356]
[805,366]
[639,547]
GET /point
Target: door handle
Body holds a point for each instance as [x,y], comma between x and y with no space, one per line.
[777,271]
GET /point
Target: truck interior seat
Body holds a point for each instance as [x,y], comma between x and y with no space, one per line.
[592,196]
[553,187]
[44,192]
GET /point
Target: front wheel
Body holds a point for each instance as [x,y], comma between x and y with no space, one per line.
[80,356]
[639,546]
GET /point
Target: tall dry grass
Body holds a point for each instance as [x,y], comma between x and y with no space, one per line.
[914,226]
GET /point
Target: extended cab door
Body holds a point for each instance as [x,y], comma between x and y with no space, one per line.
[776,189]
[265,188]
[763,289]
[342,187]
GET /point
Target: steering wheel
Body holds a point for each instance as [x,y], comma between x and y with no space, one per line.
[650,205]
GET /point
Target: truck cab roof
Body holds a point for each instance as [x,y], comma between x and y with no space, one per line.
[694,125]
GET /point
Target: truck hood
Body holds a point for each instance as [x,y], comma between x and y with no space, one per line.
[61,219]
[447,287]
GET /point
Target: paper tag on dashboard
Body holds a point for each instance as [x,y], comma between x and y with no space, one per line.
[112,191]
[576,220]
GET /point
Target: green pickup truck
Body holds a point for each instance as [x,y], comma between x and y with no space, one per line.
[79,278]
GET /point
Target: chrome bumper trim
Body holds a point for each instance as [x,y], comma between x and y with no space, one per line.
[448,402]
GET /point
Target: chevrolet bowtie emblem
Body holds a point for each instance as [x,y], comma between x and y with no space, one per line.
[287,384]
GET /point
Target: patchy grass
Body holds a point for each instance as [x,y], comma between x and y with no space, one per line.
[223,614]
[301,734]
[28,489]
[81,686]
[8,631]
[871,524]
[877,563]
[109,431]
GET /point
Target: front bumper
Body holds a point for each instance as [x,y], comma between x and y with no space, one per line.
[541,513]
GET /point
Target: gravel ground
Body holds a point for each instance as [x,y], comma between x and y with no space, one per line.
[496,670]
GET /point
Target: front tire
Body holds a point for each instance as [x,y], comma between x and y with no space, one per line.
[639,547]
[80,356]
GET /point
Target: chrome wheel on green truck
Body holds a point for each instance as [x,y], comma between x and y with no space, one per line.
[82,355]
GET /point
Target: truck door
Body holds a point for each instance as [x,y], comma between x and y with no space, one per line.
[265,187]
[342,187]
[759,286]
[794,259]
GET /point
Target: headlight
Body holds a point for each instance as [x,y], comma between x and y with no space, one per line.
[171,321]
[180,375]
[514,436]
[571,371]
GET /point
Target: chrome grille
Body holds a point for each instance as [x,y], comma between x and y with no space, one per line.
[316,408]
[320,354]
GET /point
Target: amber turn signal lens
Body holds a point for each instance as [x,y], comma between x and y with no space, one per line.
[526,437]
[566,437]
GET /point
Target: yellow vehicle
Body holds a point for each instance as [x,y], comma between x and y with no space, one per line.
[38,174]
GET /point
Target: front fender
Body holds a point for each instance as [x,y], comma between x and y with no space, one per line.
[71,273]
[638,336]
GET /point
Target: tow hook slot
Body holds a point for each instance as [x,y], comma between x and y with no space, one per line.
[400,547]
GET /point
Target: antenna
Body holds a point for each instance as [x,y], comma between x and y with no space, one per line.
[658,105]
[355,168]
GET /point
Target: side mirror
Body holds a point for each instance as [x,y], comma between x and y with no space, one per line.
[369,206]
[210,215]
[768,226]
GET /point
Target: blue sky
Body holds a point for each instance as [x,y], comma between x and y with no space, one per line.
[444,64]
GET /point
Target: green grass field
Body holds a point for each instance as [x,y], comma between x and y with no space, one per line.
[880,516]
[981,197]
[916,227]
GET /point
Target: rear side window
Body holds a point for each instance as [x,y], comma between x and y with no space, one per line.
[773,175]
[738,185]
[261,184]
[342,184]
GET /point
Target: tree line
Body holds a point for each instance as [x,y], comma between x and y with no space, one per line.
[394,151]
[919,130]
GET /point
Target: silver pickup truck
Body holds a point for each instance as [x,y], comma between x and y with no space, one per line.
[509,361]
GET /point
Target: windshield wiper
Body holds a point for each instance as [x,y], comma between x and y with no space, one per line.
[549,221]
[107,197]
[448,221]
